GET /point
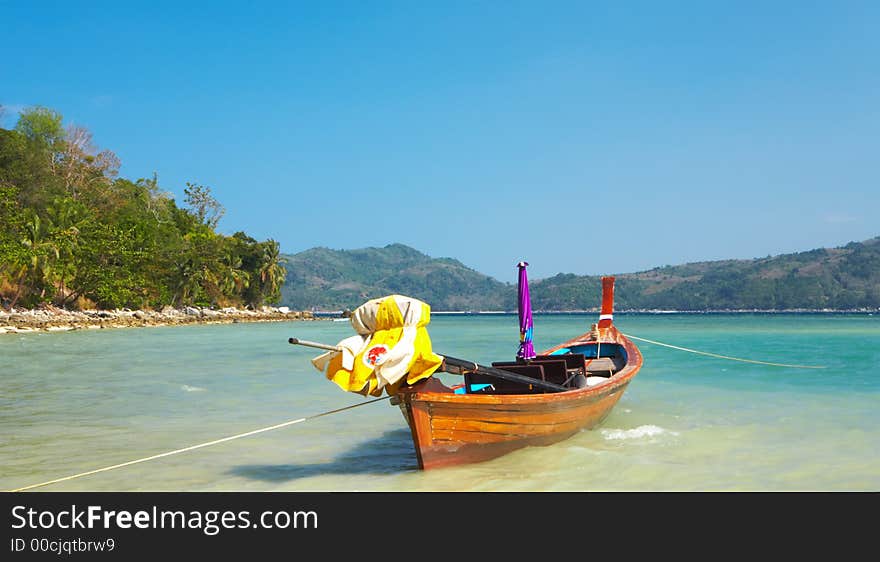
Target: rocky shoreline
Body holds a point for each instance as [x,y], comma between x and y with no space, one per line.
[52,319]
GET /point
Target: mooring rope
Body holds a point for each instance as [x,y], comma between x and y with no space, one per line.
[725,356]
[199,446]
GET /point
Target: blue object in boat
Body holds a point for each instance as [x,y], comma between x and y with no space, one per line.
[474,388]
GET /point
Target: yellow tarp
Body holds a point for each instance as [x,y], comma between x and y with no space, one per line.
[392,347]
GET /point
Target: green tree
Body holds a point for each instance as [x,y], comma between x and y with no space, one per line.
[271,272]
[40,255]
[43,128]
[109,266]
[65,218]
[26,162]
[199,271]
[234,279]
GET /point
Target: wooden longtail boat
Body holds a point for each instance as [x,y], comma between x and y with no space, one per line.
[487,417]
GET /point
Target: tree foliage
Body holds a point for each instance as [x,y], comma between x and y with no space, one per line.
[73,233]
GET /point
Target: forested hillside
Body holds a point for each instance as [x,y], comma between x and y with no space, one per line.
[327,279]
[75,234]
[842,278]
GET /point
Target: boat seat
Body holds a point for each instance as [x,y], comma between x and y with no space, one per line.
[574,362]
[603,366]
[503,386]
[555,371]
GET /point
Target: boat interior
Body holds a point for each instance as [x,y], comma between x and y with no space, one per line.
[578,366]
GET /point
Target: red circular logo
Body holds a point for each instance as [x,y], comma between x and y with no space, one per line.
[373,356]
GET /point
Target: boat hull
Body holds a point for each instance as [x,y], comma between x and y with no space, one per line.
[450,429]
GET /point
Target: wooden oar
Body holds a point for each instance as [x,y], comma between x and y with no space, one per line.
[457,366]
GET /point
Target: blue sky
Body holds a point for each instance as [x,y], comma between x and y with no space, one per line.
[582,137]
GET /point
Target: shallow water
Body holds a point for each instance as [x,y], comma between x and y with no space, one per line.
[77,401]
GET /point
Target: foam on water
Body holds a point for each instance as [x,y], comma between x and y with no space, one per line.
[636,433]
[189,388]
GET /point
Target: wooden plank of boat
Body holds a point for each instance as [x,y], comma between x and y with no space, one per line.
[449,428]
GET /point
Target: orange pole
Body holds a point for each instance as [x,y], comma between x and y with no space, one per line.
[606,316]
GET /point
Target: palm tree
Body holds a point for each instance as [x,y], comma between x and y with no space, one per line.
[234,279]
[65,217]
[271,271]
[187,281]
[39,257]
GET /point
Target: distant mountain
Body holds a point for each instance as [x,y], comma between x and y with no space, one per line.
[325,279]
[841,278]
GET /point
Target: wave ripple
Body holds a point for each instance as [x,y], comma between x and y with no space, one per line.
[635,433]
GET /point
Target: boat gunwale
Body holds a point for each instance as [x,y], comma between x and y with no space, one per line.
[620,378]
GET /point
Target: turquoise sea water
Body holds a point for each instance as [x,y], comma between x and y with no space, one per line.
[77,401]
